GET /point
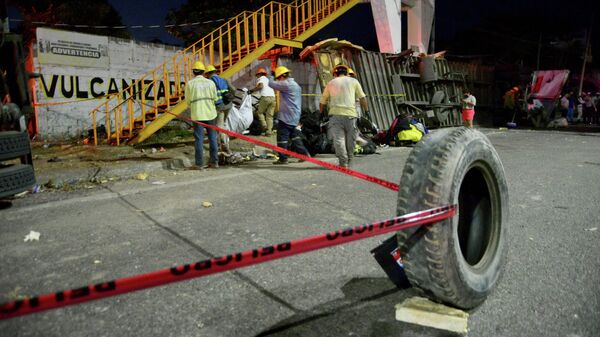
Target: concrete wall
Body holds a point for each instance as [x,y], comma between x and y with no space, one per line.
[79,70]
[387,15]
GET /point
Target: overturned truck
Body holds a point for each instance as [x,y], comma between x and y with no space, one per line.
[426,87]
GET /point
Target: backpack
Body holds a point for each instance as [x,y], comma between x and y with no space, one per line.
[399,124]
[409,136]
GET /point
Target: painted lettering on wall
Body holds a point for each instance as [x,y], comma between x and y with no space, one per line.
[75,87]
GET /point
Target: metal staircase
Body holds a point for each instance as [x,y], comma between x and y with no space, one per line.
[137,112]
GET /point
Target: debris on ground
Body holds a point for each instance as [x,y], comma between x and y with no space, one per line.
[207,204]
[158,182]
[56,184]
[20,195]
[32,236]
[593,229]
[15,294]
[99,180]
[421,311]
[141,176]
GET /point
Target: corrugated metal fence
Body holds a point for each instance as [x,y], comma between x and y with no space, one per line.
[427,88]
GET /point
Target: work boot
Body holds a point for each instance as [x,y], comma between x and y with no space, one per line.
[302,160]
[213,165]
[196,168]
[280,162]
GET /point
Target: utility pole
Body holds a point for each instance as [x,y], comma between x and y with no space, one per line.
[539,51]
[585,55]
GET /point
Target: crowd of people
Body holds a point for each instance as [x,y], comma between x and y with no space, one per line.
[582,108]
[206,96]
[575,109]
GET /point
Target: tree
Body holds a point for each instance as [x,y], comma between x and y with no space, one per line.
[70,13]
[210,15]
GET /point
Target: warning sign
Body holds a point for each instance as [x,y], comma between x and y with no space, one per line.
[72,49]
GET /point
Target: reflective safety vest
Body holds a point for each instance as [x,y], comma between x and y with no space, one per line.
[222,87]
[201,95]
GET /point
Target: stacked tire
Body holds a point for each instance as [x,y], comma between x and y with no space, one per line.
[15,177]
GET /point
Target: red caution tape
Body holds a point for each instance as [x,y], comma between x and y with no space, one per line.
[221,264]
[384,183]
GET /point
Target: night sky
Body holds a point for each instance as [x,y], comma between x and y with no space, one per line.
[514,23]
[147,13]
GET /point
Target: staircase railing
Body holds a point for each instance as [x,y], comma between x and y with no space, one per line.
[163,87]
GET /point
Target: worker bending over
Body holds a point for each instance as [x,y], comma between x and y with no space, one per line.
[290,109]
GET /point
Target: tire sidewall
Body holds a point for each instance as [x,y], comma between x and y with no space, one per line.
[432,177]
[478,154]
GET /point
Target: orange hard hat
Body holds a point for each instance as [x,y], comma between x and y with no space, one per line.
[261,71]
[515,88]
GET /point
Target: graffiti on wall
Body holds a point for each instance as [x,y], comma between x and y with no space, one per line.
[77,87]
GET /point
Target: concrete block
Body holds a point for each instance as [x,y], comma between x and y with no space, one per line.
[421,311]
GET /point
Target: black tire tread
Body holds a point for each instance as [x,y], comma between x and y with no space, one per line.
[425,268]
[16,178]
[14,144]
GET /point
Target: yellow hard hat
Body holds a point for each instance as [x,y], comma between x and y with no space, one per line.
[210,68]
[198,66]
[351,72]
[280,71]
[339,66]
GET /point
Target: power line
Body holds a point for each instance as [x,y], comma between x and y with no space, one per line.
[118,27]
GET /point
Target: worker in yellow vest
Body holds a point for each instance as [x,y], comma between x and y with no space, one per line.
[201,96]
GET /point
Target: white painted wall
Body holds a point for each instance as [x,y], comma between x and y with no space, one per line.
[71,86]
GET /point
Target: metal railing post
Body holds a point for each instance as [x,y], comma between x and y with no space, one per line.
[108,129]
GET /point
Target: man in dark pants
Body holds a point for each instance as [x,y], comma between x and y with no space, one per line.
[201,95]
[340,97]
[289,113]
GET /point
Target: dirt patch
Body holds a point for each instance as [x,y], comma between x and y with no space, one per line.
[57,157]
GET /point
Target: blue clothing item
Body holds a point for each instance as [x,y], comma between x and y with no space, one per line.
[287,134]
[222,87]
[199,143]
[571,109]
[290,105]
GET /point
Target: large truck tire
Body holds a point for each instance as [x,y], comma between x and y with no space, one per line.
[460,260]
[15,179]
[14,144]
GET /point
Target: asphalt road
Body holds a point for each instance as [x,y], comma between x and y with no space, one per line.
[551,285]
